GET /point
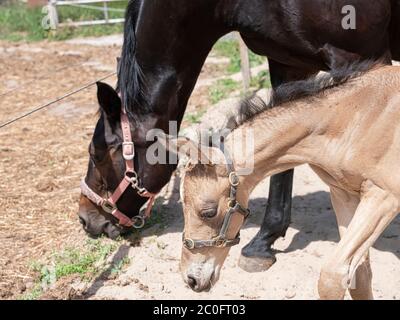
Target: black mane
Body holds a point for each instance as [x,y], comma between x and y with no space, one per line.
[131,82]
[310,88]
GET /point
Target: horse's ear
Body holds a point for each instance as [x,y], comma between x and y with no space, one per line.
[109,100]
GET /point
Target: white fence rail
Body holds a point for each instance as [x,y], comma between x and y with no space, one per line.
[87,4]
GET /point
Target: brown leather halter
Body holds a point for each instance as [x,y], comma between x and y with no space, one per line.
[109,205]
[220,241]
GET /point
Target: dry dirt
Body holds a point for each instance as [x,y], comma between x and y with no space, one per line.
[43,157]
[310,239]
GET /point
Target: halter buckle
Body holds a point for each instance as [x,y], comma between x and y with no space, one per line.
[189,243]
[108,207]
[231,203]
[220,243]
[234,179]
[128,156]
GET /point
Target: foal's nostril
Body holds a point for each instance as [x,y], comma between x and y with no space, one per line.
[82,221]
[192,282]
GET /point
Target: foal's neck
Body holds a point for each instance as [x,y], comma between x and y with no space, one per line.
[284,137]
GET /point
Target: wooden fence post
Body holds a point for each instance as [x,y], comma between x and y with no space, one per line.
[105,7]
[245,63]
[53,15]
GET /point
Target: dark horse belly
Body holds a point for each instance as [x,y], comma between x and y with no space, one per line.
[306,34]
[395,31]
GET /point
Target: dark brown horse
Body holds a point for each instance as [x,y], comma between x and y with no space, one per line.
[165,45]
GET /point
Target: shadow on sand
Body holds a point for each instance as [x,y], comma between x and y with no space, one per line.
[312,216]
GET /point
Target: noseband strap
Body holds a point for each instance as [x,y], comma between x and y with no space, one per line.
[109,205]
[234,206]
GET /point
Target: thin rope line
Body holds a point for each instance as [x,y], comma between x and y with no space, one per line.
[54,101]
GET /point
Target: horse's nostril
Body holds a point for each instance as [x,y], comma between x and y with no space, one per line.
[192,282]
[82,221]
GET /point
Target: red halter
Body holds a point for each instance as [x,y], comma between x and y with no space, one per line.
[130,179]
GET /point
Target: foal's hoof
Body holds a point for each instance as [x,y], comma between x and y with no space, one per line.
[256,264]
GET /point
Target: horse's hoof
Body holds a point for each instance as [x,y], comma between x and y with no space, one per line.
[256,264]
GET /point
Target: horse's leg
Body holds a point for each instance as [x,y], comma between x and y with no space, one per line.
[257,255]
[376,210]
[395,32]
[345,206]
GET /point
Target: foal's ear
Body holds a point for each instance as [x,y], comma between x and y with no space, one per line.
[109,101]
[194,152]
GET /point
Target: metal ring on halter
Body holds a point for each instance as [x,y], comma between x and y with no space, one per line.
[220,243]
[138,222]
[134,180]
[234,179]
[189,243]
[141,191]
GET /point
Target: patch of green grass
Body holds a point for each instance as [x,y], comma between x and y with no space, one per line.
[231,50]
[33,294]
[85,262]
[221,89]
[18,22]
[194,117]
[158,216]
[261,80]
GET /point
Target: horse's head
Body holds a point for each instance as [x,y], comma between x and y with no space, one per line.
[107,168]
[212,211]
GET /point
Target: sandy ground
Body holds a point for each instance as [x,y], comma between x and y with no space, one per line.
[310,239]
[42,159]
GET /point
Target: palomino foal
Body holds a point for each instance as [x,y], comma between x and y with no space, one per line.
[346,129]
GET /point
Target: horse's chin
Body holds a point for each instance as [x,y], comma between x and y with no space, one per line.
[113,232]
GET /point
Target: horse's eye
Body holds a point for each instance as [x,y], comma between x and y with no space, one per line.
[96,158]
[209,213]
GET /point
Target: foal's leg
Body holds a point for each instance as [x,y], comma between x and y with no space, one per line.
[376,210]
[257,255]
[345,205]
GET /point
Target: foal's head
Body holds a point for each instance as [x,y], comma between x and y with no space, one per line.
[205,193]
[106,167]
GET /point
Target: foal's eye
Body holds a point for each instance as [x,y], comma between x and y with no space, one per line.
[209,213]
